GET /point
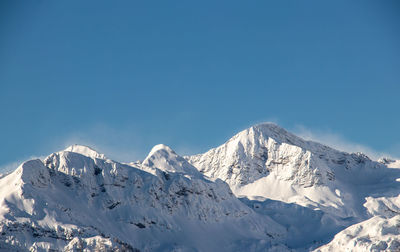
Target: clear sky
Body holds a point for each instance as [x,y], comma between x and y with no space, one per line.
[123,76]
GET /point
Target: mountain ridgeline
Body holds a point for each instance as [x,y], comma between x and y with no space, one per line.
[265,189]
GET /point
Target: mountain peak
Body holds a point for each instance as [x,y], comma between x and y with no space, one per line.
[161,147]
[279,134]
[267,151]
[269,127]
[164,158]
[85,151]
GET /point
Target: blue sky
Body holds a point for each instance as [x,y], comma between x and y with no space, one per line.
[123,76]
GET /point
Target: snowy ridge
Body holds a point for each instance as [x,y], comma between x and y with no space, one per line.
[264,189]
[73,201]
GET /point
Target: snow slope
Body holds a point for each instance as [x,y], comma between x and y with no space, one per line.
[381,232]
[374,234]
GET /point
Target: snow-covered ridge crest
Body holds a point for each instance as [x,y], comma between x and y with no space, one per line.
[85,150]
[391,163]
[281,135]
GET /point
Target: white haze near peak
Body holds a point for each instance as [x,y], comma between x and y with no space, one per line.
[125,144]
[122,143]
[105,143]
[339,142]
[11,166]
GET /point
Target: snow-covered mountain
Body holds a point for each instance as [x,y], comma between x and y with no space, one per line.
[274,170]
[78,199]
[264,189]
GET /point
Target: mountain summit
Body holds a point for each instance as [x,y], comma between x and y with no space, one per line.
[264,189]
[85,151]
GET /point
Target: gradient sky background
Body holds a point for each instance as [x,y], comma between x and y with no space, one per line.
[123,76]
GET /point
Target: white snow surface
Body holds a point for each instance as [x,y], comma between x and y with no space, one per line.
[265,189]
[374,234]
